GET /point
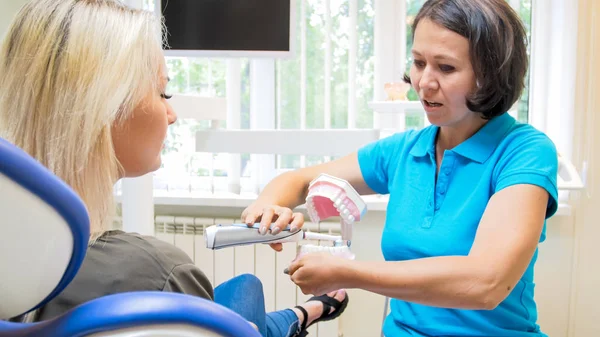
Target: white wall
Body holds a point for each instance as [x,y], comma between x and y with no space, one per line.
[585,294]
[8,9]
[553,276]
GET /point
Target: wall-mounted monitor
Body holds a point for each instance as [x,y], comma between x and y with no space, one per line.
[229,28]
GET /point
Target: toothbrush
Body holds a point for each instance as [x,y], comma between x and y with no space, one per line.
[327,196]
[222,236]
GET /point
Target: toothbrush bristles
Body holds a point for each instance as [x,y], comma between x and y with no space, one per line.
[342,251]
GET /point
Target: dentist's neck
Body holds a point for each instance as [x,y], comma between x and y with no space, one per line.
[451,136]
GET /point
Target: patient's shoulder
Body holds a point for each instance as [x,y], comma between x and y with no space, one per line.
[139,248]
[155,264]
[123,262]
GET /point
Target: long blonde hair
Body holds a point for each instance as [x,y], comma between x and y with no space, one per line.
[70,70]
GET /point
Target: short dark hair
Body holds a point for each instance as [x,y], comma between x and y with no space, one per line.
[498,48]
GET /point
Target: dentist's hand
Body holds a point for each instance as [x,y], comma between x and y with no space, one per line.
[319,273]
[273,219]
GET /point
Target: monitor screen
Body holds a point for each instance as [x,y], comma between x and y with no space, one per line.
[228,27]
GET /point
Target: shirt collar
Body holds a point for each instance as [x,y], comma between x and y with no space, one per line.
[426,142]
[478,147]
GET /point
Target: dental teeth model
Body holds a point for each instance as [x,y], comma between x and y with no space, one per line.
[328,196]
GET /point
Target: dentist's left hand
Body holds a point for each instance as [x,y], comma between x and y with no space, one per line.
[319,273]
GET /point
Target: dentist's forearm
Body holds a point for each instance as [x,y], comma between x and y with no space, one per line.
[291,188]
[287,190]
[451,282]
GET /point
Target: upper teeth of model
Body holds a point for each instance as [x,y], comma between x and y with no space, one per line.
[343,210]
[338,204]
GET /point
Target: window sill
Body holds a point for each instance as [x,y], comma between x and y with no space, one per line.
[375,203]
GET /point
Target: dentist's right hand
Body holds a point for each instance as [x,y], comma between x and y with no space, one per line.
[272,217]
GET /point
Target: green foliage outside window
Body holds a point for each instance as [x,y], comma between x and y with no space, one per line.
[206,77]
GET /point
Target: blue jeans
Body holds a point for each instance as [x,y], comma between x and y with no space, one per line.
[244,295]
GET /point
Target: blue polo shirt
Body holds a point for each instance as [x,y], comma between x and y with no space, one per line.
[426,219]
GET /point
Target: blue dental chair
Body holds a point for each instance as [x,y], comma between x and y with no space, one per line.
[44,234]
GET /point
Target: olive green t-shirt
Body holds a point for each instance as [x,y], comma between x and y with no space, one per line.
[123,262]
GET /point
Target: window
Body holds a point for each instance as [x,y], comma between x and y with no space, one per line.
[327,98]
[327,84]
[184,170]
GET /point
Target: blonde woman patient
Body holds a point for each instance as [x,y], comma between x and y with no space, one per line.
[83,90]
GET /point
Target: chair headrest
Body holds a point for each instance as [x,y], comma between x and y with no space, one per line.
[44,232]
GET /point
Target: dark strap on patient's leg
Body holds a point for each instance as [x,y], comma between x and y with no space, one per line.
[305,320]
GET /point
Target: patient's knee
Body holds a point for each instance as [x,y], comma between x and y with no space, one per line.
[249,280]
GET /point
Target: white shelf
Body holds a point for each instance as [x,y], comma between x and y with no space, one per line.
[375,203]
[339,142]
[231,200]
[409,107]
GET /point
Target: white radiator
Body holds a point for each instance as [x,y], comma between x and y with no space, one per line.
[260,260]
